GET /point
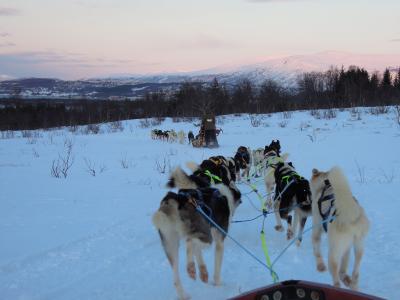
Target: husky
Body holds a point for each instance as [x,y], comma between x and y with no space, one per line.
[345,223]
[292,193]
[257,158]
[190,137]
[232,164]
[243,157]
[181,136]
[177,218]
[271,159]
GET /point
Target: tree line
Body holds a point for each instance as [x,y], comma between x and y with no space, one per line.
[334,88]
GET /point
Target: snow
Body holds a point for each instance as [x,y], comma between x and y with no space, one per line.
[91,237]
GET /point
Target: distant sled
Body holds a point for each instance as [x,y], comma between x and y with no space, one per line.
[302,290]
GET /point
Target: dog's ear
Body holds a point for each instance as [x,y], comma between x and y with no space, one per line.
[315,172]
[171,183]
[192,166]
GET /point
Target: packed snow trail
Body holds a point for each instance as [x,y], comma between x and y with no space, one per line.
[88,237]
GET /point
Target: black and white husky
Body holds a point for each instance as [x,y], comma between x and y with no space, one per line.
[292,193]
[177,218]
[243,160]
[346,224]
[272,158]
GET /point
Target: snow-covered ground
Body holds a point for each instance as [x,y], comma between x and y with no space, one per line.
[91,237]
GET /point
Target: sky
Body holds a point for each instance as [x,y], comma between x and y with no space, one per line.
[73,39]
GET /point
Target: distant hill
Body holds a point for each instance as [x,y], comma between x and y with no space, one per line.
[284,70]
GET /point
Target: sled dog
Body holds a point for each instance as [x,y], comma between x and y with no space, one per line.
[271,160]
[177,218]
[336,211]
[292,193]
[243,158]
[258,161]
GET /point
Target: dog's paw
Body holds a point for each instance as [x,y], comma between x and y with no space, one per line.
[184,297]
[346,280]
[289,234]
[217,282]
[298,243]
[203,273]
[279,228]
[321,267]
[191,269]
[336,284]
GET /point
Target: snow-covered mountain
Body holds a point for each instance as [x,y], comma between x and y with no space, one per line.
[284,70]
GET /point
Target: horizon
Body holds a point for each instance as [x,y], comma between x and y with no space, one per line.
[87,38]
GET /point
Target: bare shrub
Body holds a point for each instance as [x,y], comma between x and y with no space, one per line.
[124,162]
[92,169]
[330,114]
[287,115]
[315,113]
[361,173]
[8,134]
[35,153]
[255,120]
[51,136]
[92,129]
[62,165]
[73,128]
[144,123]
[313,136]
[283,124]
[387,177]
[178,120]
[378,110]
[355,113]
[156,121]
[163,166]
[220,120]
[31,140]
[115,126]
[304,125]
[397,113]
[26,133]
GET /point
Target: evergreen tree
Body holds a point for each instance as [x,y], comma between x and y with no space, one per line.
[397,80]
[386,80]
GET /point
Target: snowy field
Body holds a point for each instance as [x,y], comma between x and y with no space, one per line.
[91,237]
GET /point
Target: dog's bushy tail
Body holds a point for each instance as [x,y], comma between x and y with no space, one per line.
[168,234]
[347,208]
[179,179]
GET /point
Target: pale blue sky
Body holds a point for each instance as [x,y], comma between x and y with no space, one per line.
[82,38]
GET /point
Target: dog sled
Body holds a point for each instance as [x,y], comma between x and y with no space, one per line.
[303,290]
[207,136]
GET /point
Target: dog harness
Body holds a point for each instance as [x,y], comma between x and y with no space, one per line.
[196,198]
[285,175]
[213,178]
[272,159]
[325,203]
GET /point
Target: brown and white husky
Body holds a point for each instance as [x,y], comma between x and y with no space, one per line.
[177,219]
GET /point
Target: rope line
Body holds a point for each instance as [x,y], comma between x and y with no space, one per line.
[198,208]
